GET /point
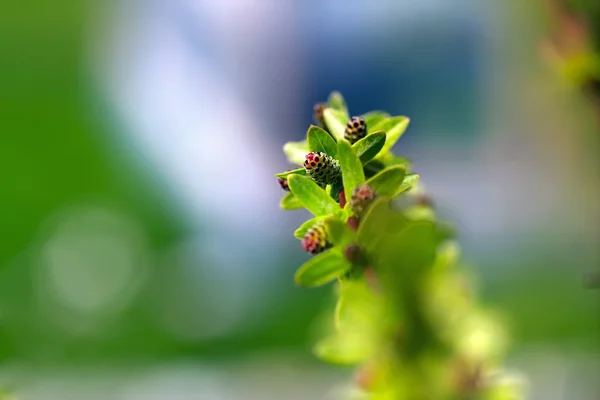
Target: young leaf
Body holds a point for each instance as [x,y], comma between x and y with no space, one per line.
[388,182]
[372,118]
[394,127]
[379,222]
[337,102]
[347,348]
[319,140]
[295,151]
[409,181]
[352,170]
[369,146]
[322,268]
[302,229]
[338,232]
[290,202]
[312,196]
[336,122]
[298,171]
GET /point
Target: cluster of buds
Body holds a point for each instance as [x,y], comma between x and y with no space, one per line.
[356,129]
[315,239]
[361,199]
[325,170]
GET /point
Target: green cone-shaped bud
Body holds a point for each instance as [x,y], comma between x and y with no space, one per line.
[325,170]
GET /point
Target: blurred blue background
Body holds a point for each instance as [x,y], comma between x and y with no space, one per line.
[142,251]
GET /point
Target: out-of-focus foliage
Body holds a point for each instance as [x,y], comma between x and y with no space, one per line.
[405,313]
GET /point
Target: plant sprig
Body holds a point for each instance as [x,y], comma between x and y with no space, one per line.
[405,315]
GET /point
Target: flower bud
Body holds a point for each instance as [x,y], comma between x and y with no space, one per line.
[361,199]
[315,240]
[284,184]
[356,129]
[324,169]
[318,109]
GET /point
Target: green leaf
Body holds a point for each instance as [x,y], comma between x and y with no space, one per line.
[390,159]
[296,151]
[302,229]
[387,182]
[409,181]
[298,171]
[372,118]
[322,268]
[319,140]
[346,348]
[336,122]
[379,222]
[352,170]
[337,102]
[290,202]
[359,308]
[394,127]
[312,196]
[338,232]
[369,146]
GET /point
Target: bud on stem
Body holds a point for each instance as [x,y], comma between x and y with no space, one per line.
[324,169]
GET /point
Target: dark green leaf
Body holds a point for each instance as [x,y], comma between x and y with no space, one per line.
[338,232]
[409,181]
[312,196]
[352,170]
[319,140]
[394,127]
[296,151]
[290,202]
[297,171]
[369,146]
[388,182]
[337,102]
[372,118]
[336,122]
[334,190]
[322,268]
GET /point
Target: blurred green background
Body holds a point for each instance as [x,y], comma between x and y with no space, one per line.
[142,251]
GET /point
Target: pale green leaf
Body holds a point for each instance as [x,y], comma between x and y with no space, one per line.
[322,268]
[338,232]
[346,348]
[336,122]
[372,118]
[387,182]
[394,127]
[352,169]
[297,171]
[408,182]
[379,222]
[296,151]
[337,102]
[312,196]
[321,141]
[290,202]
